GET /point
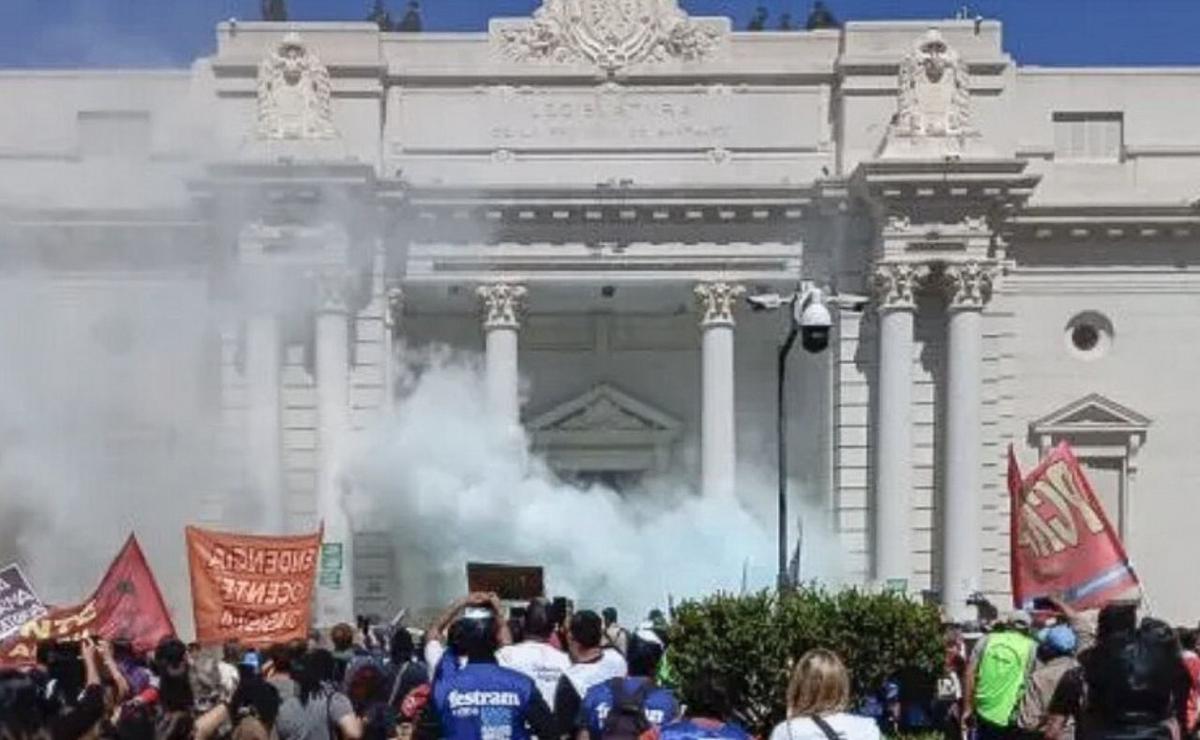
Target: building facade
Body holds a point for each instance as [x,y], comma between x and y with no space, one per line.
[587,198]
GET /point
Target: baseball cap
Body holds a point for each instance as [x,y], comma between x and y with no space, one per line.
[1019,618]
[1059,638]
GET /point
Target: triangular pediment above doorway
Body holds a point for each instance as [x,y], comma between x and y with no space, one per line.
[1092,413]
[604,409]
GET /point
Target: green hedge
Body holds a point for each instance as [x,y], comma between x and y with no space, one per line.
[751,642]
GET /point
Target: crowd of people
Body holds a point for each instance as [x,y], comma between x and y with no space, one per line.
[481,672]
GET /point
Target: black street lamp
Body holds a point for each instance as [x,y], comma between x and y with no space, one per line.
[812,323]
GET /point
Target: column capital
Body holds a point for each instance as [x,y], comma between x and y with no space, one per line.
[894,285]
[968,285]
[716,302]
[334,289]
[502,304]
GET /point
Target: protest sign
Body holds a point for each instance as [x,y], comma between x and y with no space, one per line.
[509,582]
[251,588]
[1062,542]
[127,605]
[18,603]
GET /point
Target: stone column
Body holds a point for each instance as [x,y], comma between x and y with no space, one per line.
[502,305]
[335,584]
[968,286]
[891,543]
[264,359]
[718,438]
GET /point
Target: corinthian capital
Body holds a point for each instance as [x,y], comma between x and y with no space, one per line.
[894,284]
[968,285]
[716,302]
[502,305]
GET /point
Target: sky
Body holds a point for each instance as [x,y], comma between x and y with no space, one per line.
[170,33]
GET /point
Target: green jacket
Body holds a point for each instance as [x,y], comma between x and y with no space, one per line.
[1000,675]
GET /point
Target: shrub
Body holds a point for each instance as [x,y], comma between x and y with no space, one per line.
[751,643]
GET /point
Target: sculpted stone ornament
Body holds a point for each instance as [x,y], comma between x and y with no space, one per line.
[502,305]
[294,93]
[968,285]
[609,33]
[717,301]
[934,100]
[894,284]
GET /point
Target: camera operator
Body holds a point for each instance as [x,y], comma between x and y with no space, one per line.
[479,698]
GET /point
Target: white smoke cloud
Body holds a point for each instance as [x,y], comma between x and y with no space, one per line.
[453,487]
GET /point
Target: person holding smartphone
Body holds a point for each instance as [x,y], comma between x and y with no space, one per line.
[473,697]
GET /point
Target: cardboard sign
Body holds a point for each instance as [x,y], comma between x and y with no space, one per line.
[251,588]
[509,582]
[126,606]
[18,603]
[1062,542]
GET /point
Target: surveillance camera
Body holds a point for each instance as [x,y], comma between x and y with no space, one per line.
[815,322]
[765,301]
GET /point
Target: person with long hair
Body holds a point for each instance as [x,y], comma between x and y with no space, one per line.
[317,708]
[817,701]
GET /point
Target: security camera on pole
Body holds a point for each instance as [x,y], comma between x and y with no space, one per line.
[812,322]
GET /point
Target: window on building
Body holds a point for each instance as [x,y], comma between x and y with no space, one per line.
[1106,437]
[114,133]
[1089,137]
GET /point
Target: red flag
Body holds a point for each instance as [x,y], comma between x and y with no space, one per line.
[1062,542]
[126,606]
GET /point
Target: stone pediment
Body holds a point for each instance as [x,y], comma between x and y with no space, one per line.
[1093,413]
[604,409]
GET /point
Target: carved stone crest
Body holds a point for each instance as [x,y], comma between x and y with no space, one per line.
[935,91]
[608,33]
[294,93]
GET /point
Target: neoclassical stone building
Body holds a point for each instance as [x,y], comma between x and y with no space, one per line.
[587,198]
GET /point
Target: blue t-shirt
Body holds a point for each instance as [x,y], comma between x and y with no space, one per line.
[702,729]
[482,701]
[661,706]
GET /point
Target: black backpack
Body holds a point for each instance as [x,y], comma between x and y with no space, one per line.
[627,719]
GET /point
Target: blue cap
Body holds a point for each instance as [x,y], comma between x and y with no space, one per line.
[250,659]
[1059,638]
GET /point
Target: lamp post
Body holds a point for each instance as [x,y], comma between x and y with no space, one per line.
[811,322]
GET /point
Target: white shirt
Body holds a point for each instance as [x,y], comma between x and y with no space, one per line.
[584,676]
[542,662]
[847,727]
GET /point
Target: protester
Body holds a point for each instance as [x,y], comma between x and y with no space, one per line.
[996,677]
[535,656]
[1056,658]
[316,708]
[478,699]
[817,701]
[615,636]
[278,669]
[591,665]
[630,707]
[1131,684]
[407,673]
[344,651]
[708,716]
[1191,661]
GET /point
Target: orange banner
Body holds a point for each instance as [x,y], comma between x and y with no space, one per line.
[127,605]
[251,588]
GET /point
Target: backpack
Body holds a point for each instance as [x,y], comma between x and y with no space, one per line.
[627,719]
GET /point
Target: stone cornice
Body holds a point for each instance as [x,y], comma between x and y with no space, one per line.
[1113,222]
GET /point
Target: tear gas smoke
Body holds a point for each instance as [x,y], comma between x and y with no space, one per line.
[453,485]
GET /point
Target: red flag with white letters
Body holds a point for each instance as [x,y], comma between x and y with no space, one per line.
[1062,542]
